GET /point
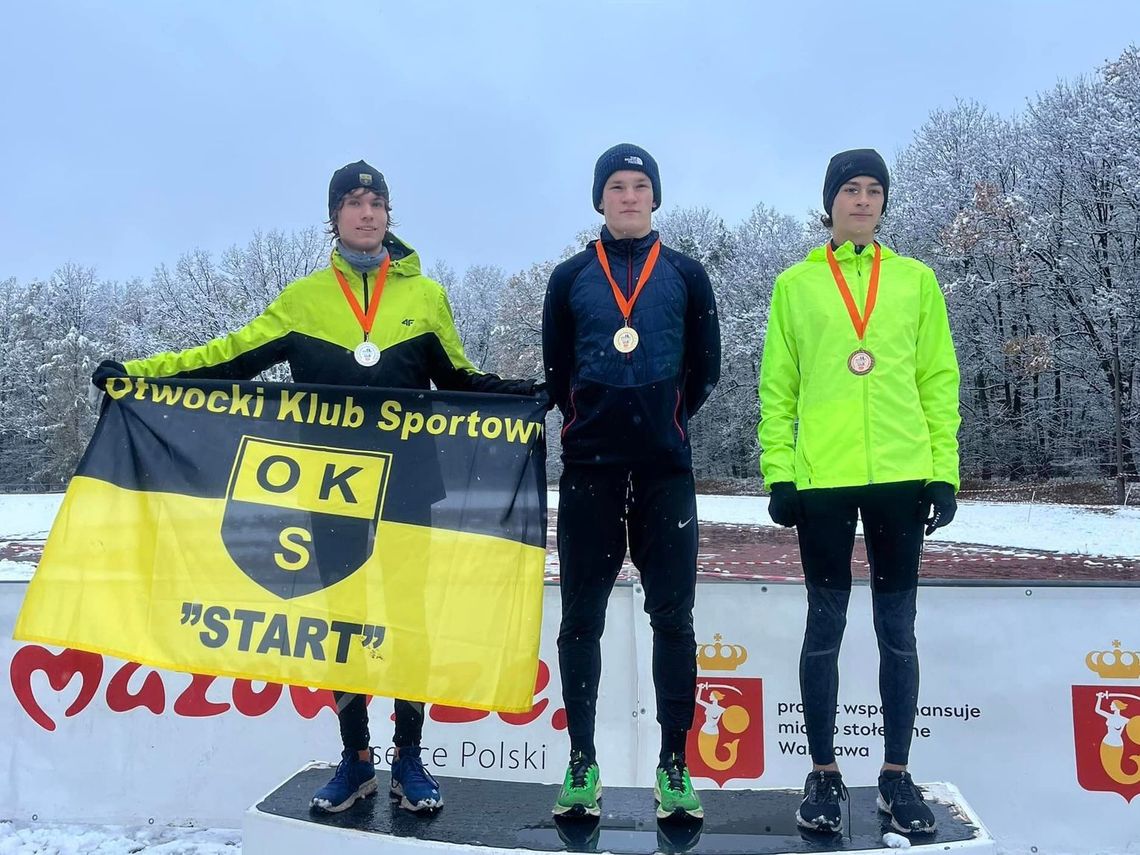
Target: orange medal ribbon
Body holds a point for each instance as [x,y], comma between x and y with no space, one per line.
[860,323]
[366,320]
[626,306]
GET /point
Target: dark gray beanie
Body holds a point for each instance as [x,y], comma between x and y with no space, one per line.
[851,164]
[625,156]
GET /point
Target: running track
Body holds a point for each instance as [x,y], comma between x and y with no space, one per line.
[731,552]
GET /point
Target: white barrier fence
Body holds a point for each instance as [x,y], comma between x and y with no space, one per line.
[1012,680]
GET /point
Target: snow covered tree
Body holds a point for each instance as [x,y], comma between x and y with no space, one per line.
[475,303]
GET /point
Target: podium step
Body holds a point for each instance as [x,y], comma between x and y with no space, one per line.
[491,817]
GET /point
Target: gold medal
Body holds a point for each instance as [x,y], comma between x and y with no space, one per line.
[366,354]
[626,339]
[860,362]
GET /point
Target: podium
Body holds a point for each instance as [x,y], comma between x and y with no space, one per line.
[498,817]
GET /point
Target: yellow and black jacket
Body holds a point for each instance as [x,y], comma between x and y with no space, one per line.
[312,327]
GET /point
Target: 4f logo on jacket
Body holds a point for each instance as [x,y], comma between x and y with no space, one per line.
[300,518]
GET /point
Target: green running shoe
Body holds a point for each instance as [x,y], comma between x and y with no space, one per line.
[674,791]
[581,789]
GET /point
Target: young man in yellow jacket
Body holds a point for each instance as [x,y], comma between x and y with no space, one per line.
[859,418]
[370,318]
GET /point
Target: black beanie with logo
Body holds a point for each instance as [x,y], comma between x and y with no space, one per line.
[851,164]
[625,156]
[351,177]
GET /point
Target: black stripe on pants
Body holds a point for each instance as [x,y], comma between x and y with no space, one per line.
[593,528]
[892,530]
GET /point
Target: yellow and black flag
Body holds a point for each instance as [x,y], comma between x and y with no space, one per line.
[371,540]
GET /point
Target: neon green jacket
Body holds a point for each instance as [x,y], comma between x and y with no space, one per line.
[311,326]
[823,426]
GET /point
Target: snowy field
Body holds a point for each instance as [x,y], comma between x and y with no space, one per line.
[45,839]
[1062,528]
[1074,529]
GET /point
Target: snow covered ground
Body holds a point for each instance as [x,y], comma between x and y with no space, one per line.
[1076,529]
[27,515]
[1062,528]
[45,839]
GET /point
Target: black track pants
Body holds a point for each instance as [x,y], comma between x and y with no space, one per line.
[600,509]
[892,529]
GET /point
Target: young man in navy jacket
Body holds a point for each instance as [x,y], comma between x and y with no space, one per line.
[631,344]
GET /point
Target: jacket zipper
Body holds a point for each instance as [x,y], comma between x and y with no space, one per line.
[866,378]
[629,291]
[801,446]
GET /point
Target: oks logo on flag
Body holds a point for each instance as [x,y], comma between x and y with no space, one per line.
[1106,725]
[727,737]
[300,518]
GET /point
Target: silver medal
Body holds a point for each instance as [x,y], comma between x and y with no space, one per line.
[367,354]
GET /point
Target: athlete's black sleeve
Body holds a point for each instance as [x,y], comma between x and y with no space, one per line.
[702,336]
[558,330]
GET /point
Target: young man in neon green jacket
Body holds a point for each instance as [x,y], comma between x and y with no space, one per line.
[370,318]
[859,418]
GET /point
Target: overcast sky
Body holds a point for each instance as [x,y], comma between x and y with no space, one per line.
[134,130]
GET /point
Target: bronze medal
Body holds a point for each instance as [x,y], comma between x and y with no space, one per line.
[860,362]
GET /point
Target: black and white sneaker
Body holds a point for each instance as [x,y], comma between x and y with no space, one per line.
[820,811]
[899,797]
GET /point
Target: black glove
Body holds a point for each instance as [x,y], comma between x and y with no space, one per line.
[107,369]
[784,506]
[937,505]
[542,395]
